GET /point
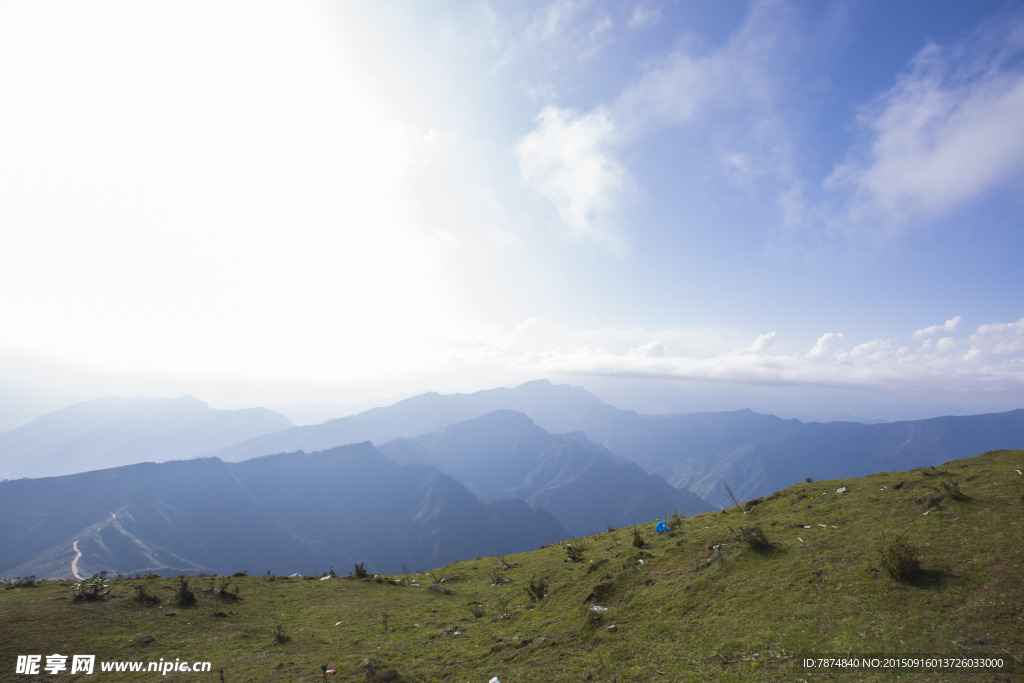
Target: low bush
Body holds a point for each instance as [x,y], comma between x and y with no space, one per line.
[143,596]
[227,593]
[91,589]
[575,549]
[898,557]
[536,589]
[476,608]
[755,539]
[186,598]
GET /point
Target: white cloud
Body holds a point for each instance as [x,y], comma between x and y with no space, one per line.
[643,15]
[824,344]
[556,37]
[567,159]
[949,326]
[553,21]
[947,133]
[990,361]
[741,75]
[650,350]
[763,342]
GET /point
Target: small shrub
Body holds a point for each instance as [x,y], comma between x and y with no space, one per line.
[676,522]
[754,537]
[23,582]
[536,589]
[504,564]
[898,557]
[186,598]
[143,596]
[360,570]
[504,612]
[476,608]
[952,489]
[91,589]
[226,593]
[638,540]
[282,636]
[575,550]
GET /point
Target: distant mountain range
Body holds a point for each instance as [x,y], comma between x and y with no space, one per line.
[587,488]
[556,408]
[751,453]
[113,431]
[559,462]
[285,513]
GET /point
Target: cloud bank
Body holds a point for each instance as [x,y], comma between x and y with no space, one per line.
[989,360]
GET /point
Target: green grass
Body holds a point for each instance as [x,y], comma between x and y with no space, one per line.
[688,611]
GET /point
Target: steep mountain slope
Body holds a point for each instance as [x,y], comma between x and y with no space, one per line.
[504,453]
[113,431]
[287,513]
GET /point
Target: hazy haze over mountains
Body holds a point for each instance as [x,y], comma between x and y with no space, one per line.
[113,431]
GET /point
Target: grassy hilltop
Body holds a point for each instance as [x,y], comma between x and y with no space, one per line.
[747,593]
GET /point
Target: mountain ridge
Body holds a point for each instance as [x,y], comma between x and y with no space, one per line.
[300,511]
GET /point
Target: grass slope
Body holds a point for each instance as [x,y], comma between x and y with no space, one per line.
[699,603]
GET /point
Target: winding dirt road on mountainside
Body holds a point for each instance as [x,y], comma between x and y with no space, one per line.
[78,553]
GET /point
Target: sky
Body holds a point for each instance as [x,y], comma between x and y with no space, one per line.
[692,204]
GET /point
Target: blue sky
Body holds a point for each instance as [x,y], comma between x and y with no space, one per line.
[274,202]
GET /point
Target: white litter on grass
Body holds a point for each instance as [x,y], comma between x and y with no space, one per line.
[807,526]
[494,680]
[927,511]
[640,561]
[824,525]
[324,578]
[598,608]
[1018,472]
[841,490]
[799,539]
[834,526]
[337,623]
[883,488]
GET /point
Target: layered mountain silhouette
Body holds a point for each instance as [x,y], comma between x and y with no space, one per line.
[559,461]
[296,512]
[504,453]
[751,453]
[113,431]
[755,455]
[556,408]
